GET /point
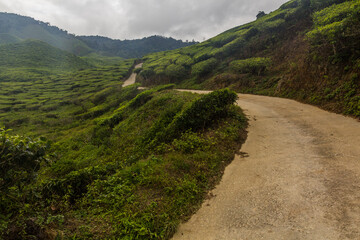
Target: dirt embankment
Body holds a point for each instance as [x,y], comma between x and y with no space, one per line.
[299,178]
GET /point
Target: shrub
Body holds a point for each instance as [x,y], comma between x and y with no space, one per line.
[175,71]
[260,14]
[204,67]
[20,159]
[336,21]
[203,112]
[250,65]
[147,73]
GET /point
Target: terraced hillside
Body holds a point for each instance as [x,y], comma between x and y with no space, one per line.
[116,162]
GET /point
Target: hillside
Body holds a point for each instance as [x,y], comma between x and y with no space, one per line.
[14,28]
[28,28]
[307,49]
[37,54]
[8,39]
[123,163]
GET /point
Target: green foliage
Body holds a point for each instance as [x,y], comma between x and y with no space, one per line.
[320,4]
[204,67]
[20,159]
[251,65]
[8,39]
[175,71]
[336,21]
[39,54]
[189,142]
[210,57]
[68,97]
[260,14]
[203,112]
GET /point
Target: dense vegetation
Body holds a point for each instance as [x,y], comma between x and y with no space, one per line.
[33,54]
[15,28]
[118,162]
[307,49]
[134,172]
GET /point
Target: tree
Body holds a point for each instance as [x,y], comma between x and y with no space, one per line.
[260,14]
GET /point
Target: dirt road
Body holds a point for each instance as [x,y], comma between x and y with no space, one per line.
[299,179]
[131,80]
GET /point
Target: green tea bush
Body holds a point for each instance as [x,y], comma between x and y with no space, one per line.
[204,111]
[336,22]
[20,159]
[204,67]
[319,4]
[250,65]
[175,71]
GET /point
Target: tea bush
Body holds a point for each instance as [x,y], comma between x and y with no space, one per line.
[250,65]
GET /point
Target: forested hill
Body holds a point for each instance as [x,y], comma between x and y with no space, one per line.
[308,50]
[133,48]
[15,28]
[22,28]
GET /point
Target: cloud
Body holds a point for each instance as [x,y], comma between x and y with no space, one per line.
[129,19]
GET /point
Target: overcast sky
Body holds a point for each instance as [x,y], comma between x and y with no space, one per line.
[131,19]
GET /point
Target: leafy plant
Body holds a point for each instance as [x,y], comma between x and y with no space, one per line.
[251,65]
[20,159]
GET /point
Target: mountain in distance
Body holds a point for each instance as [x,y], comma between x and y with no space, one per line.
[132,48]
[24,28]
[14,28]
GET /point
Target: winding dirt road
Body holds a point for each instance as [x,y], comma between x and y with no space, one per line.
[299,178]
[131,80]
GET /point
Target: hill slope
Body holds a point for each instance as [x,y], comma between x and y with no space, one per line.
[29,28]
[307,49]
[37,54]
[8,39]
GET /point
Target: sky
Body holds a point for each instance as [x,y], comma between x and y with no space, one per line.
[133,19]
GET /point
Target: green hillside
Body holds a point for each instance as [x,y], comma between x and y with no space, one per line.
[37,54]
[123,163]
[307,49]
[28,28]
[8,39]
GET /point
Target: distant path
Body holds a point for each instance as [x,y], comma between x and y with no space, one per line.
[300,180]
[131,80]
